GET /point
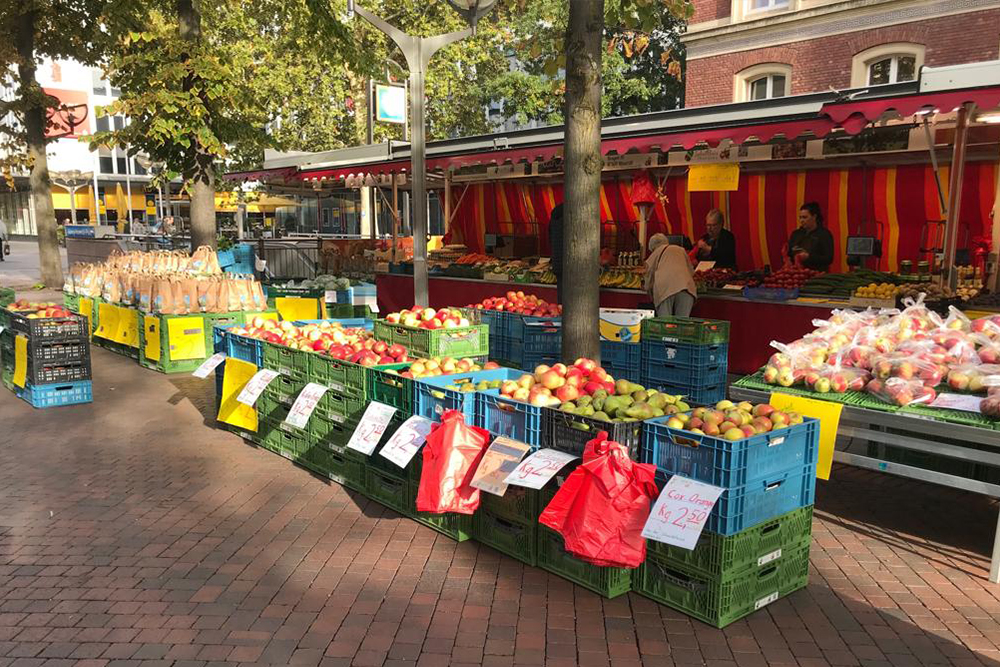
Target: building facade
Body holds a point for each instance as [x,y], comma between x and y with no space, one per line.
[741,50]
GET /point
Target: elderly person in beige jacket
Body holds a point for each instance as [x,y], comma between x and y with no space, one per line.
[669,278]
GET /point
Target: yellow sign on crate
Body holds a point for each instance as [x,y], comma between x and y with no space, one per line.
[186,337]
[128,327]
[828,415]
[107,321]
[231,411]
[296,308]
[20,360]
[151,331]
[87,310]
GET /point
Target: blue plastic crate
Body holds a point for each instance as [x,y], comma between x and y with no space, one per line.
[746,506]
[536,335]
[684,375]
[246,349]
[504,416]
[499,346]
[687,354]
[53,395]
[427,405]
[622,360]
[345,296]
[729,463]
[706,395]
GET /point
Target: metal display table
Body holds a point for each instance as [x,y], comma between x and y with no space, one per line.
[867,438]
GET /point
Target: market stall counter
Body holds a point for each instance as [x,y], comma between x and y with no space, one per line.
[754,323]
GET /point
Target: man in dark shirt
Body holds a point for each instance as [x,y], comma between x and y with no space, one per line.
[811,245]
[718,244]
[556,247]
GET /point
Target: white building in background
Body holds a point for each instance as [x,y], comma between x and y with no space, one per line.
[112,174]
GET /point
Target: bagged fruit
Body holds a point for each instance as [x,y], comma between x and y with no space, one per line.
[899,391]
[839,379]
[987,326]
[988,349]
[973,378]
[990,406]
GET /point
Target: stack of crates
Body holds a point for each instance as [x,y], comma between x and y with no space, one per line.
[535,341]
[686,356]
[755,547]
[58,359]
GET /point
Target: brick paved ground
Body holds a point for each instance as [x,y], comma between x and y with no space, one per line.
[132,531]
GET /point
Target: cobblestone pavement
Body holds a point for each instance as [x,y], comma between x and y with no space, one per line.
[133,531]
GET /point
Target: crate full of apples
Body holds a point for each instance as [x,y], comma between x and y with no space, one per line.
[426,332]
[731,444]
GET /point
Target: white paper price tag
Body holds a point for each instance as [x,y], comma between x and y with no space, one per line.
[371,428]
[962,402]
[536,470]
[253,389]
[210,364]
[407,440]
[681,511]
[304,405]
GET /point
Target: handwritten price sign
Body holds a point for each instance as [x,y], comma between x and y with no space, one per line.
[536,470]
[202,371]
[681,511]
[371,428]
[253,389]
[407,440]
[304,405]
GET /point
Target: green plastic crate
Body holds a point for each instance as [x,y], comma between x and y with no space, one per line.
[118,348]
[286,388]
[472,341]
[334,406]
[390,388]
[286,360]
[158,325]
[347,468]
[333,433]
[341,376]
[213,320]
[609,582]
[338,311]
[71,302]
[456,526]
[516,504]
[391,490]
[517,539]
[684,330]
[269,434]
[363,311]
[318,459]
[716,601]
[722,556]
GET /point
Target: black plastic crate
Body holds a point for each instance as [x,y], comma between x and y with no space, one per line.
[63,371]
[48,327]
[48,351]
[570,433]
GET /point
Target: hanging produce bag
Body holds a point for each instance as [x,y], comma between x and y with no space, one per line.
[602,506]
[451,456]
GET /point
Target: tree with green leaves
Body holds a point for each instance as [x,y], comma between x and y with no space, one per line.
[31,31]
[581,254]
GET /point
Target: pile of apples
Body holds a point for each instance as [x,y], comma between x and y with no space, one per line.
[428,318]
[550,386]
[328,338]
[424,368]
[520,303]
[38,309]
[734,421]
[790,277]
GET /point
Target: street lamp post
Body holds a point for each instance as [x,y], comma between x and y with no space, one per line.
[418,52]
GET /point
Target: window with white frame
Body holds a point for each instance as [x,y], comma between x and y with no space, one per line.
[764,5]
[762,82]
[767,86]
[887,63]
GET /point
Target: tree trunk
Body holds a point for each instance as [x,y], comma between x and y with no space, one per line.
[581,226]
[202,177]
[34,129]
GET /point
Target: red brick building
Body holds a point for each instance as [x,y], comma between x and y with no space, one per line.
[739,50]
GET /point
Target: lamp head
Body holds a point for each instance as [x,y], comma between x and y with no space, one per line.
[471,10]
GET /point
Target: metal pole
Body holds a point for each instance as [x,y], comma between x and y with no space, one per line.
[447,201]
[955,192]
[97,196]
[72,203]
[128,187]
[395,215]
[369,192]
[418,158]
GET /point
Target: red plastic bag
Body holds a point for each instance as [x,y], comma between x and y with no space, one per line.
[451,456]
[602,506]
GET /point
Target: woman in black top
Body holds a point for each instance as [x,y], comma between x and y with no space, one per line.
[811,245]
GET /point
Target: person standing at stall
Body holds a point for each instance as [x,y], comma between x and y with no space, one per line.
[669,278]
[718,244]
[811,245]
[556,248]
